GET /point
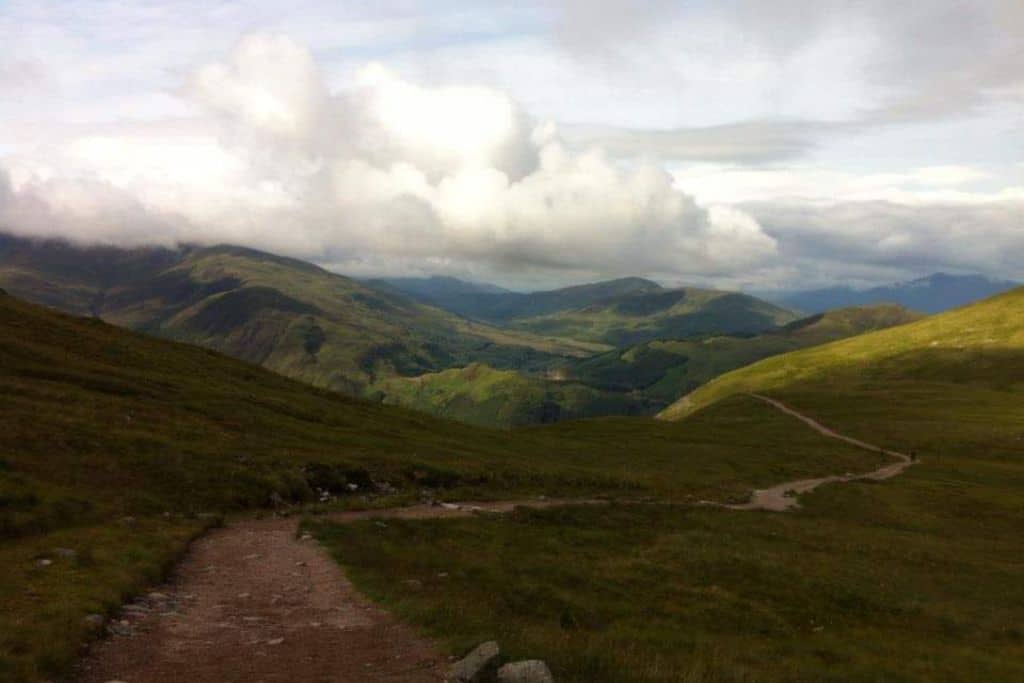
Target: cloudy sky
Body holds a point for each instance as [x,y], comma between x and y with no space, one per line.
[739,143]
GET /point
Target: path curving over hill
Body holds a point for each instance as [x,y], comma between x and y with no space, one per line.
[784,496]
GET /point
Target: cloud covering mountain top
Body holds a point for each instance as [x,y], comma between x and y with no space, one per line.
[535,145]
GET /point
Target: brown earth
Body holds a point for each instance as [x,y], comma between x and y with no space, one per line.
[253,602]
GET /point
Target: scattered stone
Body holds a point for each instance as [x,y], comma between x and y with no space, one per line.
[415,584]
[442,575]
[352,487]
[451,506]
[306,537]
[479,665]
[94,621]
[382,525]
[44,562]
[135,609]
[300,563]
[243,596]
[119,628]
[157,597]
[275,641]
[65,553]
[529,671]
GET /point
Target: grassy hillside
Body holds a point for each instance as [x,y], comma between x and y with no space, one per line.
[500,307]
[285,314]
[663,370]
[482,395]
[618,312]
[982,343]
[912,579]
[642,315]
[640,380]
[114,445]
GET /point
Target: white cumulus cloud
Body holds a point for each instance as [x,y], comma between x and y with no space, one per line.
[384,170]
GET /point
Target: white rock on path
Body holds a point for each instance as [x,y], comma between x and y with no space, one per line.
[477,665]
[529,671]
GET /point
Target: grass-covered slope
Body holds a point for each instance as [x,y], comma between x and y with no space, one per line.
[483,395]
[618,312]
[645,314]
[640,380]
[113,444]
[282,313]
[980,345]
[663,370]
[916,578]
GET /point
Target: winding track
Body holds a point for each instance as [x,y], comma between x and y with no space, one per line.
[784,496]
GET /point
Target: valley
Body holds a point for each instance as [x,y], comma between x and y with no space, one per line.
[150,442]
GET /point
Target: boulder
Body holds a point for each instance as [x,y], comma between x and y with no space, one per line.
[529,671]
[479,665]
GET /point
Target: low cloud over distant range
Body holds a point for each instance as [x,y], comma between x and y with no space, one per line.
[392,168]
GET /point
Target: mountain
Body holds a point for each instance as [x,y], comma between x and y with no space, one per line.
[932,294]
[975,349]
[473,301]
[620,312]
[479,394]
[640,380]
[449,293]
[282,313]
[663,370]
[648,313]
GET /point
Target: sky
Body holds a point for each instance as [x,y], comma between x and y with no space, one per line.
[736,143]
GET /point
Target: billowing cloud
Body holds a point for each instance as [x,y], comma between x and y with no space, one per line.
[385,168]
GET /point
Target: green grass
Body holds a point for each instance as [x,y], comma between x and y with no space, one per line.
[640,380]
[98,423]
[287,315]
[479,394]
[978,344]
[42,620]
[640,316]
[915,578]
[663,370]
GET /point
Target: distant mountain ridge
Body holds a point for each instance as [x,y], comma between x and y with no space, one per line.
[282,313]
[619,312]
[932,294]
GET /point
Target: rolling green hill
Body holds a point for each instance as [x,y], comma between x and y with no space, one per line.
[619,312]
[981,345]
[646,314]
[482,395]
[663,370]
[284,314]
[640,380]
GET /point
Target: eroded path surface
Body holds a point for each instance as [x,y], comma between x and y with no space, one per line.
[784,496]
[253,602]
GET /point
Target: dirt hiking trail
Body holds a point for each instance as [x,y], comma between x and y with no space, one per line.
[251,602]
[784,496]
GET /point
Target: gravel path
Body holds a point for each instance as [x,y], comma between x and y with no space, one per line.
[784,496]
[251,602]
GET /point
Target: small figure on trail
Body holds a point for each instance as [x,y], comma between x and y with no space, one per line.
[913,456]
